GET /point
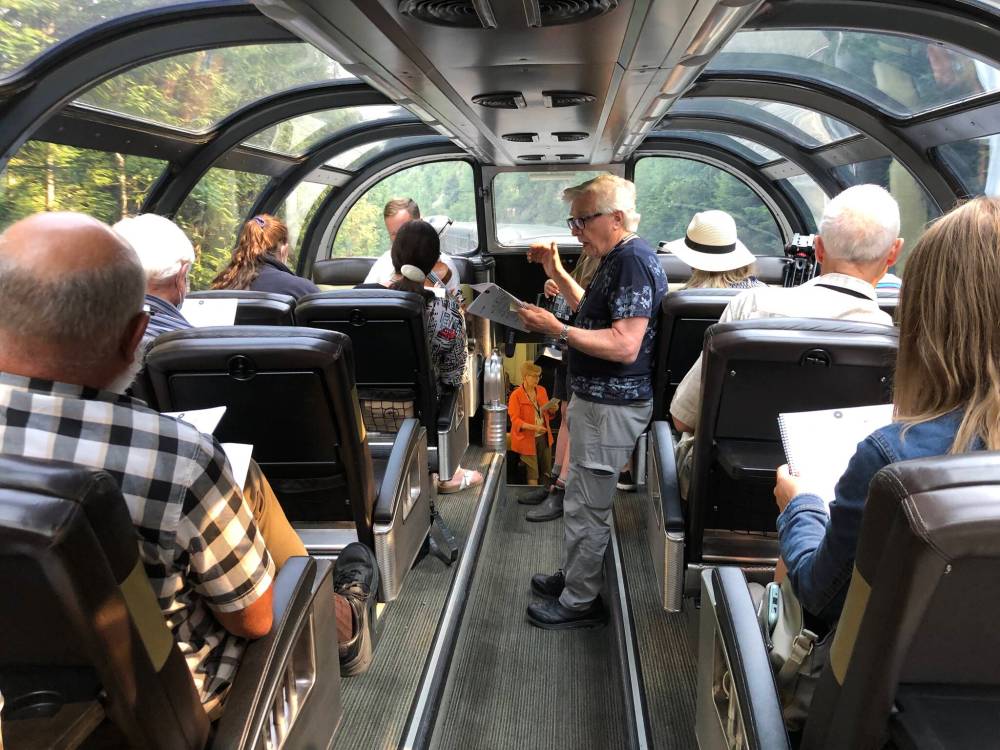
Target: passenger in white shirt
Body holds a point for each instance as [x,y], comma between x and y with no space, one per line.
[857,243]
[397,212]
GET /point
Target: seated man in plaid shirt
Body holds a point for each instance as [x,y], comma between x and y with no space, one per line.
[71,292]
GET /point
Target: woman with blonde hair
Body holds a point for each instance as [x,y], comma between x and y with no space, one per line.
[717,258]
[259,259]
[946,398]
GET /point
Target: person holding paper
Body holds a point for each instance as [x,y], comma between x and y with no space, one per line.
[530,433]
[857,243]
[946,398]
[610,372]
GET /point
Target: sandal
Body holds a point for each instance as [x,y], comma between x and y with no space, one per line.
[468,478]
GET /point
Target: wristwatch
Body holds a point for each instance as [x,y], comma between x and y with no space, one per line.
[564,334]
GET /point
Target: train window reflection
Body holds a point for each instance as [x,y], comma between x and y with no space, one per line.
[808,127]
[194,91]
[48,177]
[297,211]
[357,156]
[976,163]
[296,136]
[807,193]
[528,206]
[901,75]
[212,216]
[670,190]
[749,150]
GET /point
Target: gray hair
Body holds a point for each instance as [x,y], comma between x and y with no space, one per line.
[86,310]
[860,224]
[612,193]
[161,245]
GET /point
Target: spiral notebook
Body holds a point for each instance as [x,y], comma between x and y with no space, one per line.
[820,444]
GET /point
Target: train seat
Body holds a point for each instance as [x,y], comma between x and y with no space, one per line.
[291,393]
[768,268]
[86,652]
[392,365]
[341,272]
[752,371]
[255,308]
[915,661]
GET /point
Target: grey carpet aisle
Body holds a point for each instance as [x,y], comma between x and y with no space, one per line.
[513,685]
[376,703]
[665,651]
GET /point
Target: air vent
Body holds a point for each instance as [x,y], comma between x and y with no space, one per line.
[558,12]
[566,137]
[567,98]
[454,13]
[531,157]
[569,157]
[521,137]
[500,100]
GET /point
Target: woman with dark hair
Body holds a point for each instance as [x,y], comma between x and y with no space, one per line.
[259,259]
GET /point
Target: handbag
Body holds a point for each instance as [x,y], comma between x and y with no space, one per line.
[797,654]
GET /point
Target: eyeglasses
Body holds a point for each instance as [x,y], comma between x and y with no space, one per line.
[579,223]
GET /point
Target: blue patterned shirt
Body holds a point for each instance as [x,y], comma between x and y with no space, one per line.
[629,283]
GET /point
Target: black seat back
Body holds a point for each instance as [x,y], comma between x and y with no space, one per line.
[752,371]
[342,271]
[289,392]
[79,619]
[255,308]
[767,268]
[685,315]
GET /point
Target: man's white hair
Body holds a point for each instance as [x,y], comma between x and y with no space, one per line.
[161,245]
[611,193]
[860,224]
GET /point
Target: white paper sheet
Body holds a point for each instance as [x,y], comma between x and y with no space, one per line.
[201,312]
[205,420]
[498,305]
[239,460]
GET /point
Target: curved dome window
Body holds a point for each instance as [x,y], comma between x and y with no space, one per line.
[743,147]
[356,157]
[297,136]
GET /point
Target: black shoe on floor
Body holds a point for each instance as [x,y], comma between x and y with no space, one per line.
[551,615]
[534,497]
[355,577]
[548,587]
[625,482]
[550,510]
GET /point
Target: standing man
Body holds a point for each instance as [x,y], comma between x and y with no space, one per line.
[397,212]
[610,351]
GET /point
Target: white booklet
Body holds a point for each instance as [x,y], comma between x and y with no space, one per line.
[498,305]
[239,455]
[202,311]
[819,444]
[205,420]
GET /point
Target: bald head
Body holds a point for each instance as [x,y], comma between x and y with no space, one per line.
[69,290]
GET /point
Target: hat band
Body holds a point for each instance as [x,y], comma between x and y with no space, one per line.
[711,249]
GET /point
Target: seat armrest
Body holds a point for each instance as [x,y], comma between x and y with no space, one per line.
[395,478]
[751,700]
[448,408]
[672,510]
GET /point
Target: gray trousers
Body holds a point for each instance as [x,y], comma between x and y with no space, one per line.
[602,437]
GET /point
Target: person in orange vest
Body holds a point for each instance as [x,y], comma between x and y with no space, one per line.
[530,434]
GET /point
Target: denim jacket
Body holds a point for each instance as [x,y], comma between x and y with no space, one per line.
[819,549]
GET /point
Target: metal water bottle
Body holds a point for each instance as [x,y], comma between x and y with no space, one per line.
[494,405]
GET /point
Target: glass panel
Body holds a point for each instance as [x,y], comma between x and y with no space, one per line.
[212,216]
[529,206]
[976,163]
[671,190]
[48,177]
[902,75]
[810,196]
[441,188]
[915,207]
[808,127]
[355,157]
[752,152]
[196,90]
[298,135]
[30,27]
[763,151]
[297,210]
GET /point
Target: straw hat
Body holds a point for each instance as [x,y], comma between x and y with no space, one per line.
[711,244]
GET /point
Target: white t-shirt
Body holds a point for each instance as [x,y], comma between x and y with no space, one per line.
[810,300]
[382,271]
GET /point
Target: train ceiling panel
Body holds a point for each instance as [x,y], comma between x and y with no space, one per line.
[605,70]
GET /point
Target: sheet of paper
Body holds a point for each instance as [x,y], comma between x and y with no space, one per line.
[820,444]
[201,312]
[498,305]
[205,420]
[239,460]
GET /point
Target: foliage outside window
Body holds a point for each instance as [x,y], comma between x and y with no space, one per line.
[529,207]
[196,90]
[48,177]
[297,211]
[212,216]
[439,188]
[671,190]
[30,27]
[298,135]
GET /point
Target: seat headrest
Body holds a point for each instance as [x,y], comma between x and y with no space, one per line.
[688,297]
[342,271]
[243,294]
[817,325]
[410,304]
[291,336]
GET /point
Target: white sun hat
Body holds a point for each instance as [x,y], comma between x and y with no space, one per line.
[711,244]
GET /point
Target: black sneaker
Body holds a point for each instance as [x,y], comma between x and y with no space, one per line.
[355,577]
[625,482]
[548,587]
[533,496]
[552,615]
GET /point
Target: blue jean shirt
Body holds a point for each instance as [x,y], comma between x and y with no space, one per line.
[819,549]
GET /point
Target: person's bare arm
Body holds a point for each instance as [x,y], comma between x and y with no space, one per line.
[619,343]
[253,622]
[548,257]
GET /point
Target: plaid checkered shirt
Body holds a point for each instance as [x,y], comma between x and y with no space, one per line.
[197,538]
